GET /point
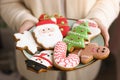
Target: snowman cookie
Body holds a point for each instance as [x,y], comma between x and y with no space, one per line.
[41,62]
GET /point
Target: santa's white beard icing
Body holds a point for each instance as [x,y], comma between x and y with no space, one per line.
[47,35]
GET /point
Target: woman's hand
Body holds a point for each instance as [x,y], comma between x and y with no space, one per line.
[104,32]
[26,26]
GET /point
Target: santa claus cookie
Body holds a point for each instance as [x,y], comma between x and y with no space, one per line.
[61,61]
[41,62]
[93,50]
[94,30]
[25,41]
[60,21]
[47,33]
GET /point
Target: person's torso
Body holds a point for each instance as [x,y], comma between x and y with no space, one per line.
[69,8]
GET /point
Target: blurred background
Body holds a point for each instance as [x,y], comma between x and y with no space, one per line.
[110,68]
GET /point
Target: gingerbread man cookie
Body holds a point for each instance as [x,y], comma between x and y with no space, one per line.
[93,50]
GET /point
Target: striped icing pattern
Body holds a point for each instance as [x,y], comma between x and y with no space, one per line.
[71,61]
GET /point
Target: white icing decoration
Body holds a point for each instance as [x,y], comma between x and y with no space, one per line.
[73,42]
[89,21]
[71,61]
[85,56]
[48,38]
[43,60]
[94,32]
[26,40]
[75,33]
[53,19]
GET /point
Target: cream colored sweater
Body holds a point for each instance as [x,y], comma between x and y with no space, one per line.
[15,12]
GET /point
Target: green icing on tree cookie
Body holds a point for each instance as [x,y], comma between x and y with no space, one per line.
[77,36]
[74,41]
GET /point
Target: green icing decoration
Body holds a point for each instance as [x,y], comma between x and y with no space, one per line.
[74,41]
[83,26]
[76,36]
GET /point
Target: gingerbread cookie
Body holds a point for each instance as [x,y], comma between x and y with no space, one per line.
[44,59]
[93,50]
[61,61]
[77,36]
[47,34]
[25,41]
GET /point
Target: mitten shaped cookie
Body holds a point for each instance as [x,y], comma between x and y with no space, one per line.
[93,50]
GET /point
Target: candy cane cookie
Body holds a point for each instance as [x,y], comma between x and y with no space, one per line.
[61,61]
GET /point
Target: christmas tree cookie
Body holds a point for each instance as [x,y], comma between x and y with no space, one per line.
[77,36]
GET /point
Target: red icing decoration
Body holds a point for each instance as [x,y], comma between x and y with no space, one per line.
[62,23]
[44,17]
[72,60]
[89,23]
[42,57]
[45,22]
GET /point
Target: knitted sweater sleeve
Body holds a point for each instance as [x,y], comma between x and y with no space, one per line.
[106,11]
[14,13]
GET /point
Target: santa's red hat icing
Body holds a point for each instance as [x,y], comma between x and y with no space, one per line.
[44,17]
[49,21]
